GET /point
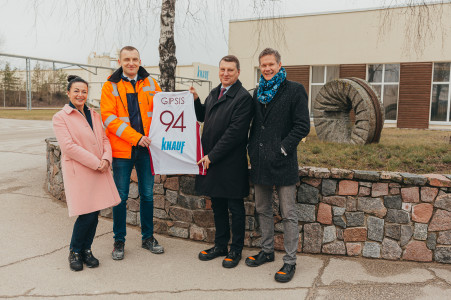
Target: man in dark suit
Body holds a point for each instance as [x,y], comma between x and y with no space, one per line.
[226,114]
[281,121]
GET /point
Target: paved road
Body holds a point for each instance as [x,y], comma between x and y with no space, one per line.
[35,232]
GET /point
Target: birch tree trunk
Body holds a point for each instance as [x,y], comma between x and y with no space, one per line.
[168,61]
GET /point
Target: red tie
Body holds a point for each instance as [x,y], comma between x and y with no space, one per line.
[222,92]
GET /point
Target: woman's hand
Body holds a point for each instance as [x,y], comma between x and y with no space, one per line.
[104,165]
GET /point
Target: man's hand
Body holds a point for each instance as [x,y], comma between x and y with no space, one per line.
[144,141]
[205,160]
[193,91]
[104,165]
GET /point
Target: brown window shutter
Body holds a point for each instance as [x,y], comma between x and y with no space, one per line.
[414,95]
[299,74]
[358,71]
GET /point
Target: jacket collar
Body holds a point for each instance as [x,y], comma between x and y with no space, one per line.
[231,92]
[85,107]
[69,108]
[117,75]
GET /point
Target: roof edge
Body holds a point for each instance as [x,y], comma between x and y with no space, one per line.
[338,11]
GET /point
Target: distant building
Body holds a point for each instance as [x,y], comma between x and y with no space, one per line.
[196,70]
[96,78]
[414,87]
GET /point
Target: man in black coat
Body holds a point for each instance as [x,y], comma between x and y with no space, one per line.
[226,114]
[281,121]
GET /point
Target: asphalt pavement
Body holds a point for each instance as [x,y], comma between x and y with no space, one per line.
[35,232]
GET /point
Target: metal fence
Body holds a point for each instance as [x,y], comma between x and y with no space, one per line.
[32,82]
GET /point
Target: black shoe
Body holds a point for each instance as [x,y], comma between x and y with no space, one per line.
[75,261]
[259,259]
[89,259]
[232,259]
[118,251]
[152,245]
[285,273]
[211,253]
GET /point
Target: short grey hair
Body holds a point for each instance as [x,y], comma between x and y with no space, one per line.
[270,51]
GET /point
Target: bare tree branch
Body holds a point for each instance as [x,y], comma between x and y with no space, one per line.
[425,21]
[140,17]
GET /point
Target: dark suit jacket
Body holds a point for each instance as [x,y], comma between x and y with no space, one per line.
[224,139]
[283,123]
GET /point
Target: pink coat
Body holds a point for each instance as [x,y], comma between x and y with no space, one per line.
[82,149]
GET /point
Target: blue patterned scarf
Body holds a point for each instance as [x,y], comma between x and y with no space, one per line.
[268,89]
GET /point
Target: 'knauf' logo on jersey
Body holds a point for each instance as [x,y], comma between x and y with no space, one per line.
[173,145]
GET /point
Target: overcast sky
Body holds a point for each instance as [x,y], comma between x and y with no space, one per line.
[70,30]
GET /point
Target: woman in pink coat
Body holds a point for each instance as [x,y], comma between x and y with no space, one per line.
[85,160]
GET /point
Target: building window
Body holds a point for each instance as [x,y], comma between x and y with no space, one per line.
[258,73]
[320,76]
[385,80]
[440,96]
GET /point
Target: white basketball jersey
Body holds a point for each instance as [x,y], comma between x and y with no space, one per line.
[175,133]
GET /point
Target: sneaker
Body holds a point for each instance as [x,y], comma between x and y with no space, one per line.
[118,251]
[212,253]
[259,259]
[75,261]
[285,273]
[152,245]
[89,259]
[232,259]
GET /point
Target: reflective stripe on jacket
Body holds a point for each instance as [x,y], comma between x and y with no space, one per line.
[115,115]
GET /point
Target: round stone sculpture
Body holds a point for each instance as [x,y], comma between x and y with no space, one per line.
[332,110]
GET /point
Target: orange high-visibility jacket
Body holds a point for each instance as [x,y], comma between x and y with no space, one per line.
[114,110]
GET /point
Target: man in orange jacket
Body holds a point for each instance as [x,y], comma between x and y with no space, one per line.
[127,105]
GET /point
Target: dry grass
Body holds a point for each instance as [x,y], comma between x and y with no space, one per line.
[400,150]
[23,114]
[34,114]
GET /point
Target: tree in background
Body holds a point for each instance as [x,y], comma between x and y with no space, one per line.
[143,14]
[58,79]
[168,60]
[38,81]
[10,82]
[425,21]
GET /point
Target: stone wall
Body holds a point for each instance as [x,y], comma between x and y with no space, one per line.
[388,215]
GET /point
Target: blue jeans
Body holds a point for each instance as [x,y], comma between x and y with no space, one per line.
[84,231]
[122,169]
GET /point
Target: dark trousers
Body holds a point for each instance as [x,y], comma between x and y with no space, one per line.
[84,231]
[221,208]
